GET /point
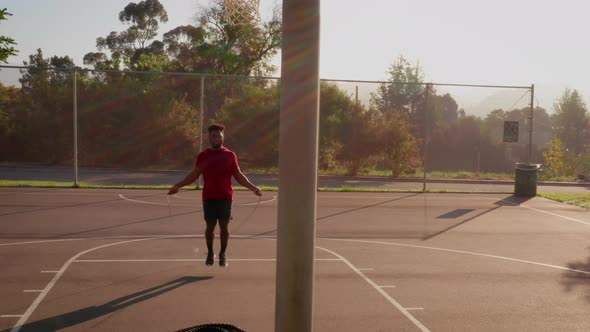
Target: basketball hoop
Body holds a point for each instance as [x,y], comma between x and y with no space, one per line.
[241,12]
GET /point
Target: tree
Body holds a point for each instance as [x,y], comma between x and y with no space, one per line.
[554,158]
[335,107]
[401,151]
[128,46]
[571,121]
[252,125]
[237,49]
[6,49]
[400,94]
[359,138]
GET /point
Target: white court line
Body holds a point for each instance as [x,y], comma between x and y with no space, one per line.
[32,291]
[23,319]
[414,308]
[381,291]
[185,260]
[550,213]
[170,236]
[387,286]
[49,271]
[461,252]
[274,238]
[11,316]
[365,269]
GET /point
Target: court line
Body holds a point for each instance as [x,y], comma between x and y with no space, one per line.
[547,212]
[129,237]
[319,238]
[379,289]
[462,252]
[185,260]
[23,319]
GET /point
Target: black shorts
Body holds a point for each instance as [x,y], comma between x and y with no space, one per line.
[217,209]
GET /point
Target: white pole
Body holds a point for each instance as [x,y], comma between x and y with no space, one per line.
[201,106]
[298,160]
[75,132]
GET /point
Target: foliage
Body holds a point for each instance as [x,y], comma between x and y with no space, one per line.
[554,158]
[6,48]
[571,121]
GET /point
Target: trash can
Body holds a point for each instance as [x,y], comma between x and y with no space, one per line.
[525,179]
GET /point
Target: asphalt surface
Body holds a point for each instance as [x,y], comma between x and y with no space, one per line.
[154,177]
[120,260]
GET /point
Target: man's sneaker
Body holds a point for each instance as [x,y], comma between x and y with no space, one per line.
[210,258]
[222,260]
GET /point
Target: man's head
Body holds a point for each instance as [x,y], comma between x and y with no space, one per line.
[216,135]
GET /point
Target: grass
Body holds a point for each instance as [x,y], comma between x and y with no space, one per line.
[417,174]
[581,200]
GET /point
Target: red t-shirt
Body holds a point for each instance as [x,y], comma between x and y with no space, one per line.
[217,167]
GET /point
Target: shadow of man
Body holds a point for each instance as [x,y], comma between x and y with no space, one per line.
[89,313]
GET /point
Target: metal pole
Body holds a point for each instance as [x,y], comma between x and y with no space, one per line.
[298,160]
[75,132]
[201,106]
[530,159]
[425,138]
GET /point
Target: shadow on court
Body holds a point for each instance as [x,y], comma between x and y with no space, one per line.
[508,201]
[89,313]
[575,280]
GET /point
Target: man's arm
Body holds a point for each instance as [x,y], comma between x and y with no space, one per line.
[243,180]
[190,178]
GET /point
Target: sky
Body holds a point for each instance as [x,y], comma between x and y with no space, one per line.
[502,42]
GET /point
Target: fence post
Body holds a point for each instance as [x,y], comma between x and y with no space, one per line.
[75,130]
[201,106]
[426,125]
[530,158]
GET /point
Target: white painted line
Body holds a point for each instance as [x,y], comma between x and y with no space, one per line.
[462,252]
[11,316]
[49,271]
[547,212]
[53,281]
[414,308]
[133,237]
[381,291]
[366,269]
[387,286]
[184,260]
[32,290]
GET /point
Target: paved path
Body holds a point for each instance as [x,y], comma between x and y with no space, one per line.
[115,176]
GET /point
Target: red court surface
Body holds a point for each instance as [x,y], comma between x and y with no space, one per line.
[121,260]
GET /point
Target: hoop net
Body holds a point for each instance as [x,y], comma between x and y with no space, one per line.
[241,12]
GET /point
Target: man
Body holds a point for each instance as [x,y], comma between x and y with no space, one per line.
[217,164]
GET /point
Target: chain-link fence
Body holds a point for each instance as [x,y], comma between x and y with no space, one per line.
[146,127]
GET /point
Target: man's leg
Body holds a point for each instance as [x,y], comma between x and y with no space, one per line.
[209,235]
[223,235]
[224,218]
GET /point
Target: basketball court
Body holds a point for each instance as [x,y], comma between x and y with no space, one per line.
[95,260]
